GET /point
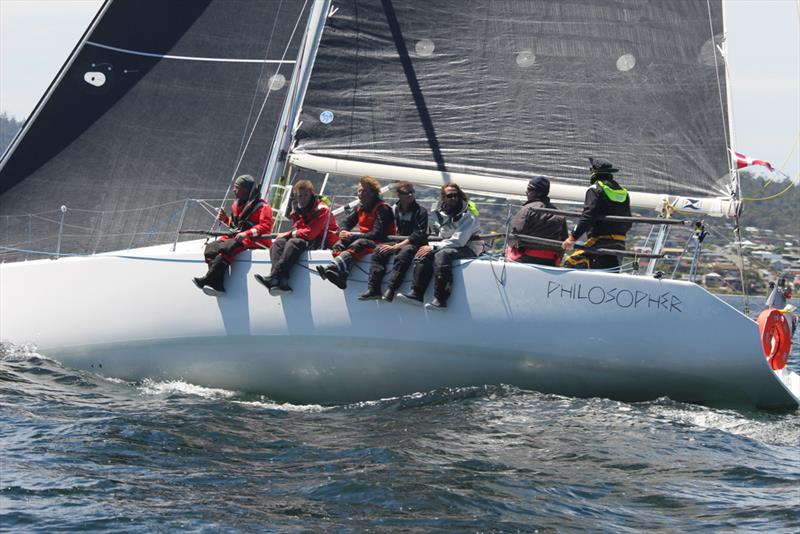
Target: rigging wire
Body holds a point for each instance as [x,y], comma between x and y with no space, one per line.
[261,111]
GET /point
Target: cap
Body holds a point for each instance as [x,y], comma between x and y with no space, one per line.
[601,166]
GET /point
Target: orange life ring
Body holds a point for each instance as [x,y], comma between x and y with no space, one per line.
[776,337]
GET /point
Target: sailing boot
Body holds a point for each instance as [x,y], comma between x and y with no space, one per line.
[281,287]
[215,279]
[199,281]
[373,291]
[391,290]
[267,281]
[338,271]
[441,292]
[413,297]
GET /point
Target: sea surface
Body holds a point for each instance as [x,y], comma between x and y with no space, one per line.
[81,452]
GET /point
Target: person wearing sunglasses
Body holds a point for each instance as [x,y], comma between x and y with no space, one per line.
[455,221]
[411,221]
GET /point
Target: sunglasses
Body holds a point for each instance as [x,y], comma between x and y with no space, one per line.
[405,193]
[451,195]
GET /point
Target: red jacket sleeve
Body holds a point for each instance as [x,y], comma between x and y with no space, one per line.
[262,217]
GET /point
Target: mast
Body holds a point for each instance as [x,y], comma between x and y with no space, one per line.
[297,91]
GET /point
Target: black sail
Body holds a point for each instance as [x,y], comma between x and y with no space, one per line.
[516,87]
[159,103]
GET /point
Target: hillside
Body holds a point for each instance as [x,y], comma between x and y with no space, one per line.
[8,129]
[780,214]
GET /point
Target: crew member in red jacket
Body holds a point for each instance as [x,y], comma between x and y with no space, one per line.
[250,217]
[314,227]
[375,222]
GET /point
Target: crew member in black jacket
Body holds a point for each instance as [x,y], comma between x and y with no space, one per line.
[604,197]
[411,220]
[531,222]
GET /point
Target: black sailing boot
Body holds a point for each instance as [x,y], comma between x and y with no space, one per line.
[413,297]
[338,271]
[391,290]
[267,281]
[372,293]
[215,279]
[281,287]
[441,292]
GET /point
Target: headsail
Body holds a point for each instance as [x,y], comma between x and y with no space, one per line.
[513,88]
[156,105]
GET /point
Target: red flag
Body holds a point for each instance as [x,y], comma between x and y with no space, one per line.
[743,161]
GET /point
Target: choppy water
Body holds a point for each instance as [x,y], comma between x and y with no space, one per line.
[79,452]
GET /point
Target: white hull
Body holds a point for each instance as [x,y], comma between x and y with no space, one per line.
[136,315]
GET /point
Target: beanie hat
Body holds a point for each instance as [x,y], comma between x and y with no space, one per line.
[540,184]
[245,180]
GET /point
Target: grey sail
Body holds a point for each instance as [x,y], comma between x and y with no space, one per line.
[160,102]
[510,88]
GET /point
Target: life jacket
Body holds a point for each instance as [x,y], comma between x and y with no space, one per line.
[614,195]
[366,219]
[243,220]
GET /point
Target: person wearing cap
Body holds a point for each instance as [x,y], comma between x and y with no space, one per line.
[250,218]
[528,221]
[411,220]
[455,221]
[604,197]
[314,226]
[373,218]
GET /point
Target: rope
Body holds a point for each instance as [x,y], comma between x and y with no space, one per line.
[771,197]
[258,117]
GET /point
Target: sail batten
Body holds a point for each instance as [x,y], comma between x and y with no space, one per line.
[190,58]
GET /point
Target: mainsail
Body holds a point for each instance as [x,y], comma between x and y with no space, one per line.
[160,102]
[511,88]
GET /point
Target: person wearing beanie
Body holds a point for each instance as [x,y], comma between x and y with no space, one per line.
[604,197]
[528,221]
[250,218]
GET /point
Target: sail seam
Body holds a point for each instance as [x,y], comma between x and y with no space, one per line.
[189,58]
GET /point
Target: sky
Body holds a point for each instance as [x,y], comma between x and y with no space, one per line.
[763,40]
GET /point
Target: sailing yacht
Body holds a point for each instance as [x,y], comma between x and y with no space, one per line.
[140,134]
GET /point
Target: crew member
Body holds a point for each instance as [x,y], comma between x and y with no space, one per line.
[411,220]
[314,227]
[604,197]
[374,220]
[528,221]
[250,217]
[455,222]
